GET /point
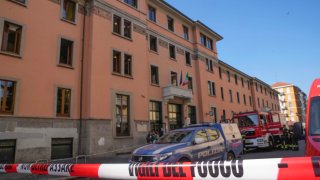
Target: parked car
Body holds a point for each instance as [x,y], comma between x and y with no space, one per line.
[193,143]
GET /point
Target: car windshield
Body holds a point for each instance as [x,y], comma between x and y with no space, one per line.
[247,120]
[314,116]
[175,137]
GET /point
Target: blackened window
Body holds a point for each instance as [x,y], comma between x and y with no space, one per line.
[61,148]
[244,99]
[220,73]
[11,38]
[116,24]
[258,102]
[66,52]
[242,83]
[188,58]
[127,29]
[69,10]
[128,65]
[190,83]
[132,3]
[153,43]
[236,79]
[7,96]
[122,115]
[170,23]
[222,94]
[238,97]
[63,102]
[174,78]
[250,100]
[228,76]
[116,62]
[172,51]
[185,32]
[154,75]
[230,95]
[7,151]
[211,66]
[248,83]
[152,14]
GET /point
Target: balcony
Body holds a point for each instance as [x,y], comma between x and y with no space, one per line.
[171,92]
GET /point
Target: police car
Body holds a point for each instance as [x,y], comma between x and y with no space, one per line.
[193,143]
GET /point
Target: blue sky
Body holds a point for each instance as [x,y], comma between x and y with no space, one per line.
[273,40]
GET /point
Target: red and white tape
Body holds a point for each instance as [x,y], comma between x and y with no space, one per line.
[273,169]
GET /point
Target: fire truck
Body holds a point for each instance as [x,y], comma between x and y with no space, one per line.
[312,121]
[260,129]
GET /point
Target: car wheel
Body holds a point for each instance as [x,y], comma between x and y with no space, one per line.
[230,156]
[184,160]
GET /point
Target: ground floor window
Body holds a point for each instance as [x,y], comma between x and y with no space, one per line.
[7,151]
[61,148]
[7,96]
[192,114]
[122,115]
[175,116]
[155,116]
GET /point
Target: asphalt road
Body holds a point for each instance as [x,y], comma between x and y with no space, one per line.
[252,154]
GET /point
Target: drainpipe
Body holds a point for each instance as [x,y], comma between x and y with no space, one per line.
[82,125]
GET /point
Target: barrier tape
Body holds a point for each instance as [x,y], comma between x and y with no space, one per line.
[268,169]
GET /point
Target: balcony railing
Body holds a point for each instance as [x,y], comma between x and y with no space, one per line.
[171,92]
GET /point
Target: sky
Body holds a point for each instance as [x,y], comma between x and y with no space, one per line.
[273,40]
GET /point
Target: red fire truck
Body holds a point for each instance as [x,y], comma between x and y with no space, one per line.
[261,129]
[313,121]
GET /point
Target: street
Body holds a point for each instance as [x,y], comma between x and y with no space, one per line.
[252,154]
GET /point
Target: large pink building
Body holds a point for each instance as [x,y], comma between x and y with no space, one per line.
[92,76]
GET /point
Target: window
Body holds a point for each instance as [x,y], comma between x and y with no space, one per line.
[7,96]
[61,148]
[174,78]
[66,52]
[152,14]
[248,83]
[20,1]
[222,94]
[228,76]
[201,137]
[220,73]
[153,43]
[267,104]
[256,87]
[209,44]
[213,112]
[116,62]
[211,88]
[230,95]
[250,100]
[127,29]
[155,115]
[262,102]
[63,102]
[238,97]
[190,83]
[188,58]
[185,32]
[127,65]
[205,41]
[213,134]
[209,65]
[242,83]
[223,114]
[121,63]
[69,9]
[7,151]
[236,79]
[244,99]
[118,23]
[258,102]
[172,51]
[11,38]
[122,115]
[170,23]
[132,3]
[265,91]
[261,88]
[154,75]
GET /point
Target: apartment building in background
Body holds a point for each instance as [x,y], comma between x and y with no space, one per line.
[93,76]
[293,102]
